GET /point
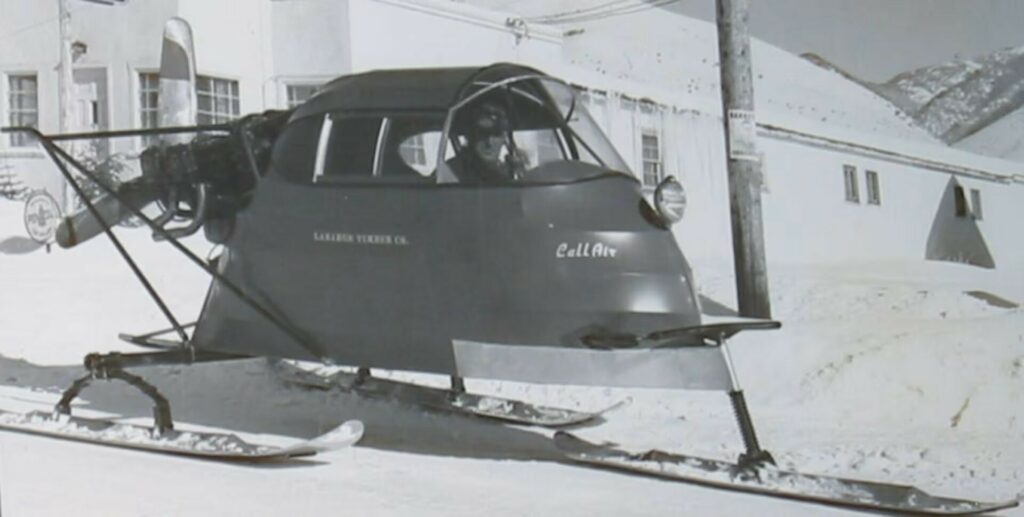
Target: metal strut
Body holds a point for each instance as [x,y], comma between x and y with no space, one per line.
[754,456]
[109,367]
[54,151]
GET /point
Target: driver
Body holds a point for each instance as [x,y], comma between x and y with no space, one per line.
[489,153]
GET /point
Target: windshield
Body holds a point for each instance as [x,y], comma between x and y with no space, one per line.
[529,129]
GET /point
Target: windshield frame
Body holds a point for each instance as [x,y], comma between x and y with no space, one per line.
[573,139]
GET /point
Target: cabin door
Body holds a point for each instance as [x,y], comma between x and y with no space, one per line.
[351,267]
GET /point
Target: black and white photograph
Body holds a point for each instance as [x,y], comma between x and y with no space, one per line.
[511,257]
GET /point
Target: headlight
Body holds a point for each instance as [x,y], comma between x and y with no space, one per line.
[670,200]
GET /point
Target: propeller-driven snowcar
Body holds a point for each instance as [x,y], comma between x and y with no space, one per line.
[471,222]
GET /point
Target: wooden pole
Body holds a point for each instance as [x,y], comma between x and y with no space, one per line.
[65,83]
[744,164]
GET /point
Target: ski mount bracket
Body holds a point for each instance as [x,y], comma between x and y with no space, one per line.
[110,367]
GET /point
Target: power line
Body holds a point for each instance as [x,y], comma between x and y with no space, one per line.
[586,10]
[651,4]
[31,26]
[15,32]
[601,11]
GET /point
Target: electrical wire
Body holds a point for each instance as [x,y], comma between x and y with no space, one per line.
[31,26]
[586,10]
[601,11]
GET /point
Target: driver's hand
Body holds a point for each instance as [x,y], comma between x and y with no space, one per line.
[517,163]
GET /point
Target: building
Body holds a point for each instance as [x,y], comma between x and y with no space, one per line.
[846,178]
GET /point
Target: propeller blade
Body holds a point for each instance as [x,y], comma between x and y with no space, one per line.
[177,104]
[82,225]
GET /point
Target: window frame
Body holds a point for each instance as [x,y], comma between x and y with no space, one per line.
[418,148]
[143,111]
[657,162]
[960,207]
[233,99]
[873,187]
[975,208]
[378,174]
[851,184]
[20,141]
[291,101]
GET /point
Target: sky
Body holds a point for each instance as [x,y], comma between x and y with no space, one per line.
[877,39]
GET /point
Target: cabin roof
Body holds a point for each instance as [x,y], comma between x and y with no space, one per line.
[427,89]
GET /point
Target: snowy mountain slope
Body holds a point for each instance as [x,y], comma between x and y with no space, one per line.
[956,99]
[886,372]
[1003,138]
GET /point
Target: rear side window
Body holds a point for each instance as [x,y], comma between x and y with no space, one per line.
[360,148]
[295,150]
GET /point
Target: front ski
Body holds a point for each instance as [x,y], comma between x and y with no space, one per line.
[441,399]
[769,480]
[205,445]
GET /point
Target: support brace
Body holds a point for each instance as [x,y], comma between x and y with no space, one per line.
[754,456]
[111,366]
[458,384]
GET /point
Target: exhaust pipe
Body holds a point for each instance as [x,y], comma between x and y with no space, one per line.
[83,225]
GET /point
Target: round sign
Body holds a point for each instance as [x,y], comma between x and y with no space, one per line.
[42,215]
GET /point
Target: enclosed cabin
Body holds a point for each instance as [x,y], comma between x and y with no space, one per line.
[409,214]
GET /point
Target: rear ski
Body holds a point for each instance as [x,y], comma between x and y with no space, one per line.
[195,444]
[442,399]
[766,479]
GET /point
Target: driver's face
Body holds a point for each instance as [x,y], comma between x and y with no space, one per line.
[488,147]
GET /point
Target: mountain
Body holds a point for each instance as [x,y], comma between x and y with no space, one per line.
[956,99]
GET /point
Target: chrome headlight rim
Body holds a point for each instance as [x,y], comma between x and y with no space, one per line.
[670,200]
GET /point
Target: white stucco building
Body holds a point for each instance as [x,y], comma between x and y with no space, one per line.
[846,176]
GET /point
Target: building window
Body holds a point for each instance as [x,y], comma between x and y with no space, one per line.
[23,106]
[413,152]
[217,99]
[650,149]
[871,182]
[960,201]
[299,93]
[149,104]
[976,203]
[850,178]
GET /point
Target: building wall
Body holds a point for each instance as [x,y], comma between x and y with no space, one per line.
[401,34]
[311,45]
[807,218]
[33,37]
[239,50]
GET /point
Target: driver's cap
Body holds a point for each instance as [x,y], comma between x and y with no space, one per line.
[490,119]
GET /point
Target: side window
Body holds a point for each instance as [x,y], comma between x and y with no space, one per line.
[874,191]
[418,152]
[295,151]
[22,107]
[650,147]
[960,202]
[359,148]
[976,204]
[850,180]
[350,150]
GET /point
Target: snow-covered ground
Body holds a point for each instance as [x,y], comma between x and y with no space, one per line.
[883,371]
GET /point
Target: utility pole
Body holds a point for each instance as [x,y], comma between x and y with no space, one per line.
[743,161]
[65,83]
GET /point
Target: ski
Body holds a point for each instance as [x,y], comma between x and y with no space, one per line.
[766,479]
[196,444]
[441,399]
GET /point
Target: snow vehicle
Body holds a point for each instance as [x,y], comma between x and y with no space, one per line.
[469,222]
